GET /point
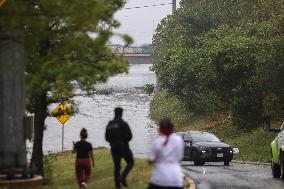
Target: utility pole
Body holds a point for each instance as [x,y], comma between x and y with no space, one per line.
[174,3]
[12,103]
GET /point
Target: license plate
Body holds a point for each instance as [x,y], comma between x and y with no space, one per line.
[219,155]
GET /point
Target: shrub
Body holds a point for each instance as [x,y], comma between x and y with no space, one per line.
[246,107]
[48,161]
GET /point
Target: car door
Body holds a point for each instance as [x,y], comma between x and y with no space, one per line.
[280,140]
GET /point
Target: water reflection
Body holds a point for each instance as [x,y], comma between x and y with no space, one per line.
[126,91]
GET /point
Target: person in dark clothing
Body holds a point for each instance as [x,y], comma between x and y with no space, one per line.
[84,159]
[266,122]
[118,134]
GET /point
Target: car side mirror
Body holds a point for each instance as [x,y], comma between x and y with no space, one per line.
[222,140]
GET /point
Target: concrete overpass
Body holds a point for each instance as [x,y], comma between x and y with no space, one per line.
[134,55]
[138,58]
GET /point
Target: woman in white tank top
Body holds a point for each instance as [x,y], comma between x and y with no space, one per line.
[166,153]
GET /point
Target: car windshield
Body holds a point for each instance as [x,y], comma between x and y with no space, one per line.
[204,137]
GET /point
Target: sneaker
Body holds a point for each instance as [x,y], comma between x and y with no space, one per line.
[84,185]
[124,182]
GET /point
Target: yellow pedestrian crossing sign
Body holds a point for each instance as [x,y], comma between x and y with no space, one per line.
[63,112]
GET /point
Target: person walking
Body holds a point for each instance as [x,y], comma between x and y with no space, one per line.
[166,153]
[84,159]
[118,134]
[266,122]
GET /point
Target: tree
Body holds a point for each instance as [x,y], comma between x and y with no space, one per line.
[214,54]
[60,55]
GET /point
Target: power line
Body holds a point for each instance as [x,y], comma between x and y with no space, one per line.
[148,6]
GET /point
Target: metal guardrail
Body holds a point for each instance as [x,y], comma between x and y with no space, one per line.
[119,49]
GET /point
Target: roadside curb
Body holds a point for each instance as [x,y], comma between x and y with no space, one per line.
[250,162]
[191,183]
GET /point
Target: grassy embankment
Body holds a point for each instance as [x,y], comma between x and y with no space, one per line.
[254,145]
[64,174]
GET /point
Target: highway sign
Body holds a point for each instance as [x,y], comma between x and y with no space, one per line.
[63,112]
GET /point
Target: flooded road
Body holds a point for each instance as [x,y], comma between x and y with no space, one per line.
[124,90]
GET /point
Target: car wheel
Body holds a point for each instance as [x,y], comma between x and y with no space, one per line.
[226,163]
[275,170]
[196,159]
[185,159]
[198,163]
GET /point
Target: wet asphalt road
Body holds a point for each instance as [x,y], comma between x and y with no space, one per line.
[235,176]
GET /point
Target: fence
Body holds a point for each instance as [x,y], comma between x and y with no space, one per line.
[119,49]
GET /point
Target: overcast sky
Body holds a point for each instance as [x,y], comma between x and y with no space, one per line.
[140,23]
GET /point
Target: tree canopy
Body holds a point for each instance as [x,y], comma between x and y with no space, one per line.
[59,52]
[220,55]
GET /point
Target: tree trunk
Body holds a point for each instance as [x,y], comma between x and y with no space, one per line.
[40,115]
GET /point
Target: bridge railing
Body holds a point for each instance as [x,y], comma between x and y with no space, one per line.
[119,49]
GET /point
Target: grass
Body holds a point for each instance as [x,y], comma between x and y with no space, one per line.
[254,145]
[163,105]
[64,172]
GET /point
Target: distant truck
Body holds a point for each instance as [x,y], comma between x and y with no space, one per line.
[277,153]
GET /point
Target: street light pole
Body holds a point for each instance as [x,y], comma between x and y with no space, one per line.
[174,7]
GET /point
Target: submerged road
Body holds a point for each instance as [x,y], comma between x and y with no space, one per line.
[235,176]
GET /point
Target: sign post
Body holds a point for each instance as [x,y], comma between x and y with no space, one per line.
[62,137]
[63,113]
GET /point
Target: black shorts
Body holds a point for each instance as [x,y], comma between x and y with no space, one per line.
[153,186]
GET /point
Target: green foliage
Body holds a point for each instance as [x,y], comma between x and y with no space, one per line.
[246,107]
[164,105]
[272,106]
[149,88]
[253,146]
[48,161]
[59,49]
[61,57]
[223,55]
[127,39]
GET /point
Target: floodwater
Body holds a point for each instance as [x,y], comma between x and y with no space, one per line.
[124,90]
